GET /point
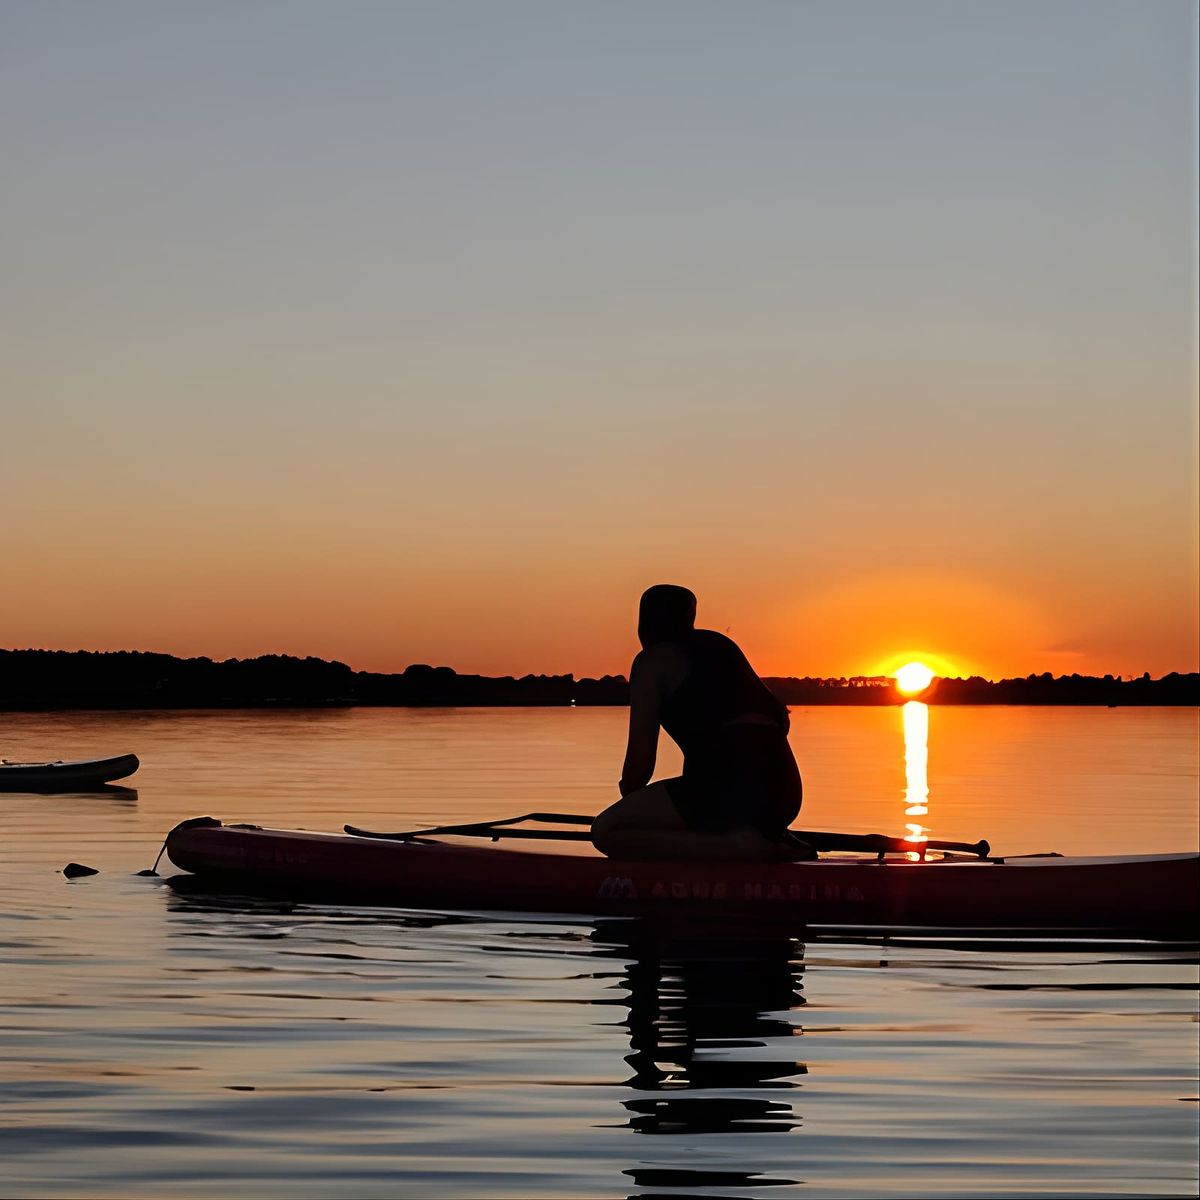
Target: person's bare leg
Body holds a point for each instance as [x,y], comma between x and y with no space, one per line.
[646,824]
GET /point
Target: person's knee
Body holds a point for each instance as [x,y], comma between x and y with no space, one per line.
[603,828]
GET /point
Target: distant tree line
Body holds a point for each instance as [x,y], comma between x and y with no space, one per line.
[45,679]
[1172,689]
[52,679]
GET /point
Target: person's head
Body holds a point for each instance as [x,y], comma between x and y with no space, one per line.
[667,613]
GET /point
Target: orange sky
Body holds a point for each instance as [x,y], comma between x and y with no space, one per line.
[881,336]
[542,610]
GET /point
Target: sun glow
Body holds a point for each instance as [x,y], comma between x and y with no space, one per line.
[913,677]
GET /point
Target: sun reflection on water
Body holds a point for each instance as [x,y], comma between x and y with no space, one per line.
[916,771]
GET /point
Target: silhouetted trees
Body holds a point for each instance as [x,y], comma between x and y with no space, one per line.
[132,679]
[48,679]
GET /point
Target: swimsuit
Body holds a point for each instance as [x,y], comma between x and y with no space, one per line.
[738,768]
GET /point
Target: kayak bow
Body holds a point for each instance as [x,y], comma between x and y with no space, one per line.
[64,776]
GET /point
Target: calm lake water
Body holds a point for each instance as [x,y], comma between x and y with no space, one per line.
[159,1044]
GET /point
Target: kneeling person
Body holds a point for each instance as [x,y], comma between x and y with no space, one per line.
[740,787]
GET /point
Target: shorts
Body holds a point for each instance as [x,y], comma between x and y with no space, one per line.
[746,775]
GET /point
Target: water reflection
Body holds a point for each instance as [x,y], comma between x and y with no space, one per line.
[708,1020]
[97,791]
[916,770]
[405,1048]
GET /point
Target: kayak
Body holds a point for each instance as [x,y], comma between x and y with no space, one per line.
[64,776]
[1147,894]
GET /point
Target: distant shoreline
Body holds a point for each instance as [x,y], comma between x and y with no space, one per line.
[53,680]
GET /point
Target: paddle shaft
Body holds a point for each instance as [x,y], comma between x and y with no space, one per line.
[870,843]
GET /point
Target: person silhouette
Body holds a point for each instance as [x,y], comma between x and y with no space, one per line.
[740,787]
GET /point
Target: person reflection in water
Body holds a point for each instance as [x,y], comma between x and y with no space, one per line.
[740,787]
[713,1019]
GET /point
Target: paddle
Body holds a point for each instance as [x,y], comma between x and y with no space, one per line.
[492,829]
[871,843]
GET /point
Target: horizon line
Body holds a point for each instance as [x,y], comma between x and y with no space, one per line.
[563,674]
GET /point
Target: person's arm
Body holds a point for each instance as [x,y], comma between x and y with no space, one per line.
[642,748]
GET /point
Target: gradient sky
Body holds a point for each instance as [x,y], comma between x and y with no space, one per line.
[400,332]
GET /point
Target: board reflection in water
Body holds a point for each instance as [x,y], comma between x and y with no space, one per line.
[708,1021]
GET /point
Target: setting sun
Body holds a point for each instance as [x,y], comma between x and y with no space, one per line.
[913,677]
